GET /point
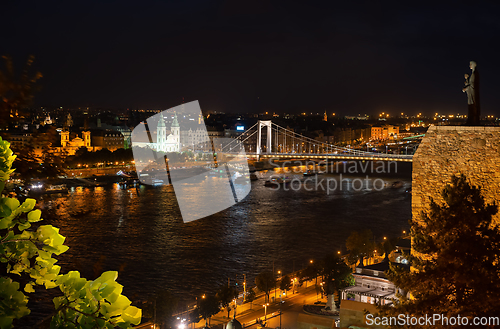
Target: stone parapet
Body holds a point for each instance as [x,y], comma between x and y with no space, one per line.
[453,150]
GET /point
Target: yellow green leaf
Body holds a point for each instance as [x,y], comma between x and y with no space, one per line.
[29,288]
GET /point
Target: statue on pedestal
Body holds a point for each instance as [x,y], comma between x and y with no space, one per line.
[472,90]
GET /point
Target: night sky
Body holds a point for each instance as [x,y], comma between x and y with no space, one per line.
[255,56]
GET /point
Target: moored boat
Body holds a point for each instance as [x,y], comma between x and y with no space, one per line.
[397,184]
[156,182]
[310,172]
[277,181]
[49,189]
[129,183]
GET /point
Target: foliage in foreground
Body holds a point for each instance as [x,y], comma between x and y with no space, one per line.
[16,92]
[26,254]
[457,268]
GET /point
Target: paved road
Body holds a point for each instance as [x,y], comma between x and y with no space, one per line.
[248,313]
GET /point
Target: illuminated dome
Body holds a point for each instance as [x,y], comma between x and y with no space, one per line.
[234,324]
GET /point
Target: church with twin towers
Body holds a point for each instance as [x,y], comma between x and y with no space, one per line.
[172,142]
[192,137]
[174,139]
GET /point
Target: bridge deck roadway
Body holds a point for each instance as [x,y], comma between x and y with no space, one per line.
[370,157]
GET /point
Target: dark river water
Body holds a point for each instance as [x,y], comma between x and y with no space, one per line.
[141,233]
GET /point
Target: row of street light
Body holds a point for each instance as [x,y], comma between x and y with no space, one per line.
[294,281]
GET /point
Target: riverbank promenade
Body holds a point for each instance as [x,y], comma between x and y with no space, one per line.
[248,313]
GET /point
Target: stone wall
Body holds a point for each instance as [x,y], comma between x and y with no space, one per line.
[352,313]
[309,321]
[452,150]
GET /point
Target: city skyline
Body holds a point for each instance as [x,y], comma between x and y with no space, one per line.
[291,165]
[258,57]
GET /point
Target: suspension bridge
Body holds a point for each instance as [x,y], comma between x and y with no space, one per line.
[284,143]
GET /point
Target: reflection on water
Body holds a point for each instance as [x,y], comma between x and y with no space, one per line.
[141,232]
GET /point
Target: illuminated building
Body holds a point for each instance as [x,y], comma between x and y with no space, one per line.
[170,143]
[384,132]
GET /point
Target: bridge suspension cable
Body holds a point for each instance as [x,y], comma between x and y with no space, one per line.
[330,148]
[240,139]
[287,142]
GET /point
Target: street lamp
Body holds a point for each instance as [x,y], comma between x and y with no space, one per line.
[279,273]
[181,325]
[265,311]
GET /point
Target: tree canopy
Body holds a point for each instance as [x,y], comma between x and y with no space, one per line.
[250,297]
[265,281]
[360,245]
[226,294]
[310,272]
[160,307]
[46,164]
[336,275]
[208,305]
[285,283]
[84,157]
[455,257]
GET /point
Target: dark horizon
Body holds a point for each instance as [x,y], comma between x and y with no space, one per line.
[259,56]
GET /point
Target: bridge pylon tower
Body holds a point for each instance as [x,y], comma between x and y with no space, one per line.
[261,124]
